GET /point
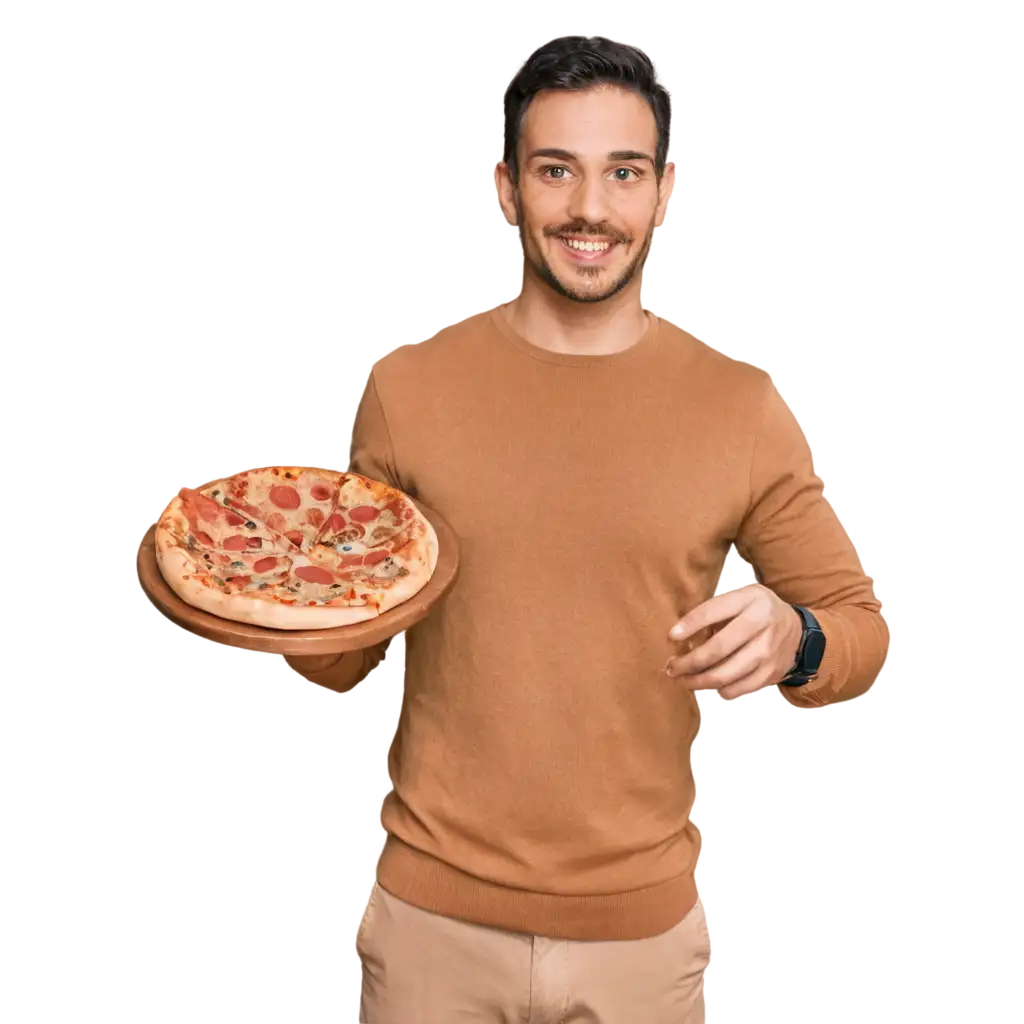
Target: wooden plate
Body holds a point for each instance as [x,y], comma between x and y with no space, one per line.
[304,641]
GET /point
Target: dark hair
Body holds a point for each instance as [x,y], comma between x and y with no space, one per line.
[579,62]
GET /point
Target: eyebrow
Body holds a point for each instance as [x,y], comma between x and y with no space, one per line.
[618,154]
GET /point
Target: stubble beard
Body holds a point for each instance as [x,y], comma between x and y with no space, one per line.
[548,276]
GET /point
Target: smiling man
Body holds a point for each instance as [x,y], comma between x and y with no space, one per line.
[597,258]
[597,463]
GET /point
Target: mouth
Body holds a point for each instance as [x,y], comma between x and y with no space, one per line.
[587,250]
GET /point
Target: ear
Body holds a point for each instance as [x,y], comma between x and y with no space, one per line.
[506,193]
[665,186]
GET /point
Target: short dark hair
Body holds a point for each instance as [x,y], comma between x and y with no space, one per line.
[582,62]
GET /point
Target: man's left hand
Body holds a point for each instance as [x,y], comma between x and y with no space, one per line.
[756,649]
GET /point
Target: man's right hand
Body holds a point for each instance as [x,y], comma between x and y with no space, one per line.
[311,662]
[339,672]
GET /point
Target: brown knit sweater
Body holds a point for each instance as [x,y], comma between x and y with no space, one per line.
[541,766]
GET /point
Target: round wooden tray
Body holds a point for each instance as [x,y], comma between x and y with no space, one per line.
[304,641]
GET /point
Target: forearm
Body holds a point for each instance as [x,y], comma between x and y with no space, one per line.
[856,645]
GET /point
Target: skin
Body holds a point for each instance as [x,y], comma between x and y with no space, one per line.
[756,648]
[565,306]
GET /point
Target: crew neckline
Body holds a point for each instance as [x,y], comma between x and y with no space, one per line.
[544,355]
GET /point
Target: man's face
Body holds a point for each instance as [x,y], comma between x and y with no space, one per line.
[588,201]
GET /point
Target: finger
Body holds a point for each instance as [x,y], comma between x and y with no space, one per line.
[737,666]
[755,681]
[719,608]
[724,643]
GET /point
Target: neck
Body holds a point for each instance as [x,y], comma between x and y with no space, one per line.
[553,322]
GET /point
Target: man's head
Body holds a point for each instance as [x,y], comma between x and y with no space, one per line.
[584,173]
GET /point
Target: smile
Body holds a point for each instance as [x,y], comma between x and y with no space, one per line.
[582,249]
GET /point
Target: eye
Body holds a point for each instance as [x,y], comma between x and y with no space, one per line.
[556,167]
[346,547]
[624,170]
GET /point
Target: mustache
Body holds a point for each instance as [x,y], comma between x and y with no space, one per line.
[601,230]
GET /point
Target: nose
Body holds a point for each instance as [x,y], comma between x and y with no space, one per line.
[589,200]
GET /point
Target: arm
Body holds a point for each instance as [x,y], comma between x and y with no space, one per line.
[371,455]
[799,549]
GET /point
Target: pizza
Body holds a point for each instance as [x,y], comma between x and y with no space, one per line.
[295,548]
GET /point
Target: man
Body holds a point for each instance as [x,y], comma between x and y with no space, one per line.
[597,463]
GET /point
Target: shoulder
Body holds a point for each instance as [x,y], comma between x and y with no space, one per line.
[711,368]
[452,346]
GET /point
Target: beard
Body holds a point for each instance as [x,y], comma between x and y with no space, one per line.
[544,271]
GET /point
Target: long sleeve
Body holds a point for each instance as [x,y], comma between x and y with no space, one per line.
[377,670]
[799,549]
[372,453]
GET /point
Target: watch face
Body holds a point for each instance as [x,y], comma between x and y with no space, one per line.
[814,651]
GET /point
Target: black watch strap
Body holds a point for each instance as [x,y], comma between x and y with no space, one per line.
[810,651]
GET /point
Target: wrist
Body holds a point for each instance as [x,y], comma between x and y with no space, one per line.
[810,649]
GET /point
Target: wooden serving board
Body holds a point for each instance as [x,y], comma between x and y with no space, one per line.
[304,641]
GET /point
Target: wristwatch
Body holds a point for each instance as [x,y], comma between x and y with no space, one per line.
[809,653]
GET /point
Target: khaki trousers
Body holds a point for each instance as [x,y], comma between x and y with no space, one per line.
[426,968]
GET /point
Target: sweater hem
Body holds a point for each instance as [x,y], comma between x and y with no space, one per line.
[430,884]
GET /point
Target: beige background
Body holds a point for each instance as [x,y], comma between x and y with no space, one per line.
[196,206]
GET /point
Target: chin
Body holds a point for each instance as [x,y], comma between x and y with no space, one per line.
[597,291]
[596,296]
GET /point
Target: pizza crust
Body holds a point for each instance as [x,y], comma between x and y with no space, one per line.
[180,570]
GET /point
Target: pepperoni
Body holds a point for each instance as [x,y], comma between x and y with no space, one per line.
[264,564]
[204,538]
[336,522]
[373,557]
[313,574]
[363,513]
[285,496]
[295,536]
[321,492]
[276,521]
[207,508]
[353,532]
[254,542]
[314,516]
[236,543]
[251,509]
[241,581]
[234,520]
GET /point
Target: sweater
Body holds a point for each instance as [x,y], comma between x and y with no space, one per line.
[541,764]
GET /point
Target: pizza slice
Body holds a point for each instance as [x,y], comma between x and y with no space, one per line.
[293,502]
[365,515]
[204,522]
[231,572]
[311,584]
[262,584]
[389,567]
[257,565]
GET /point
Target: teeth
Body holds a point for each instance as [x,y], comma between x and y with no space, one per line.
[587,246]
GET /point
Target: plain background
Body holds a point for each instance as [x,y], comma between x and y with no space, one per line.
[210,223]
